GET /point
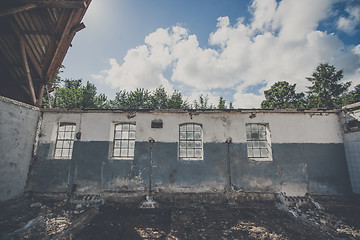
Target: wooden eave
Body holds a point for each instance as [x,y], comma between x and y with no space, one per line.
[35,36]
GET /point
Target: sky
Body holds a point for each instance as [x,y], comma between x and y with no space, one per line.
[230,48]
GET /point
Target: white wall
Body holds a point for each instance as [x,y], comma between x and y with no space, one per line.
[293,127]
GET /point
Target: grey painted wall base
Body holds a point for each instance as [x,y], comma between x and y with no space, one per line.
[313,168]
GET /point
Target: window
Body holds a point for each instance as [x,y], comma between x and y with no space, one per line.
[190,141]
[258,142]
[124,140]
[65,140]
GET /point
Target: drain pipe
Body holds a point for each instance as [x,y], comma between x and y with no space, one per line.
[228,142]
[151,141]
[149,201]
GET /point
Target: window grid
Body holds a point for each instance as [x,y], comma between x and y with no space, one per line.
[257,143]
[124,140]
[190,141]
[65,140]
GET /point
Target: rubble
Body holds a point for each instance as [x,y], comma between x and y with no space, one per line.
[182,216]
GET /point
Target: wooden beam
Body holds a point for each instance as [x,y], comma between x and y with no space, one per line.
[34,61]
[54,3]
[27,70]
[77,28]
[16,10]
[41,95]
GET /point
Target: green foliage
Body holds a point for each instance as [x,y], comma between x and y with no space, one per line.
[143,99]
[351,97]
[75,96]
[221,104]
[282,95]
[326,90]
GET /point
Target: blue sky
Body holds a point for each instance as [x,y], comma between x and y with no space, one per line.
[230,48]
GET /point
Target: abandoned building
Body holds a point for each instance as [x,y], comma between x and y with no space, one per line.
[98,151]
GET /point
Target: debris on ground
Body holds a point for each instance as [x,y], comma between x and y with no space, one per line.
[182,216]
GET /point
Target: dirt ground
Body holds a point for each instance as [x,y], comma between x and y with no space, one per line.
[183,216]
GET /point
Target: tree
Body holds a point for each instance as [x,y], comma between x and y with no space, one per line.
[326,89]
[202,103]
[75,96]
[139,99]
[282,95]
[221,104]
[352,96]
[159,99]
[176,101]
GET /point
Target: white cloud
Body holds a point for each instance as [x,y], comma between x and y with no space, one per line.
[348,24]
[281,42]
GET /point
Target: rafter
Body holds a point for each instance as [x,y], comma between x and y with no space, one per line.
[15,10]
[27,70]
[53,3]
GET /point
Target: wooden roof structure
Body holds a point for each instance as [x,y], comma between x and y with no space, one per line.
[35,36]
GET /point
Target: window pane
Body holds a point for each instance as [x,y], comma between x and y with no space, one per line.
[132,144]
[198,135]
[65,153]
[66,144]
[261,127]
[59,144]
[190,153]
[117,135]
[250,152]
[189,135]
[118,127]
[182,144]
[190,144]
[125,127]
[256,152]
[131,152]
[198,153]
[189,127]
[182,152]
[117,144]
[124,152]
[197,128]
[124,144]
[254,127]
[61,135]
[255,136]
[58,153]
[249,144]
[248,127]
[255,144]
[262,136]
[125,135]
[264,152]
[183,135]
[67,135]
[131,135]
[263,144]
[132,127]
[62,128]
[116,152]
[183,128]
[198,144]
[248,135]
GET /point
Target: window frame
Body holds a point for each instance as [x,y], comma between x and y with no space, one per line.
[128,139]
[193,139]
[267,140]
[64,139]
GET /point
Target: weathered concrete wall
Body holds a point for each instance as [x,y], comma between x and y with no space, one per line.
[18,123]
[352,150]
[308,154]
